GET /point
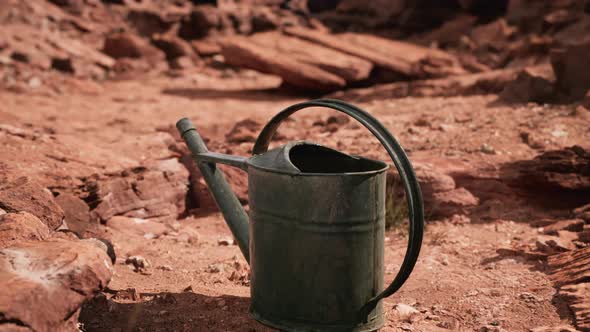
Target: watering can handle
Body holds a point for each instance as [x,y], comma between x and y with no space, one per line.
[403,165]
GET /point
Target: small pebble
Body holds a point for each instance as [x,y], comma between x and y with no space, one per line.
[487,149]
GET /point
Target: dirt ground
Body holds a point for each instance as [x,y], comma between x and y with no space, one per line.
[194,283]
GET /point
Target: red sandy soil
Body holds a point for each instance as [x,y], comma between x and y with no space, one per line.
[460,282]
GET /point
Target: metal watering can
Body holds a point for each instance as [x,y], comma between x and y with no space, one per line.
[315,235]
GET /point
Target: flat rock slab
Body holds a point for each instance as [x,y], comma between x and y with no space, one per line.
[565,169]
[19,227]
[400,57]
[43,283]
[349,67]
[137,226]
[24,194]
[153,191]
[243,52]
[571,272]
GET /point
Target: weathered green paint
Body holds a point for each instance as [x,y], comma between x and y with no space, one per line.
[316,228]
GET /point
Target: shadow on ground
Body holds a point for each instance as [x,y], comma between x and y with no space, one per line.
[185,311]
[273,94]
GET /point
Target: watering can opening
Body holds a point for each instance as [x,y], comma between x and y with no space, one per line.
[314,158]
[311,159]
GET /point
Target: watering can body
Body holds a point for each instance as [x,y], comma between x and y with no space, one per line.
[314,236]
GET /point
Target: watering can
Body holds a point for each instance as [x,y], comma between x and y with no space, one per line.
[314,237]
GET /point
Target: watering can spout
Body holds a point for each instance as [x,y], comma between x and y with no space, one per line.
[231,208]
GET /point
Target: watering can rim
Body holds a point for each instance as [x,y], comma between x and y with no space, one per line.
[295,171]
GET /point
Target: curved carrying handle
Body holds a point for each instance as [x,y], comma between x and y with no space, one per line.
[402,163]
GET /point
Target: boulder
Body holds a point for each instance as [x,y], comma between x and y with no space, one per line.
[128,45]
[242,52]
[45,283]
[24,194]
[532,84]
[19,227]
[173,46]
[349,67]
[147,21]
[200,22]
[571,69]
[448,203]
[77,215]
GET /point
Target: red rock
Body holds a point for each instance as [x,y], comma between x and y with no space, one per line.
[570,267]
[157,190]
[571,271]
[244,131]
[45,283]
[529,255]
[241,52]
[586,100]
[450,32]
[555,244]
[557,328]
[349,67]
[76,49]
[533,84]
[182,62]
[148,21]
[494,34]
[400,57]
[437,189]
[137,226]
[201,21]
[23,194]
[127,45]
[583,212]
[19,227]
[77,215]
[384,9]
[584,234]
[432,180]
[574,225]
[525,13]
[574,33]
[565,169]
[571,69]
[173,46]
[578,298]
[448,203]
[206,47]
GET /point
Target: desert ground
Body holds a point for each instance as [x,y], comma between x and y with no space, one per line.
[501,153]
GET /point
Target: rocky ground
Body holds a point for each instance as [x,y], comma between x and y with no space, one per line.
[497,129]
